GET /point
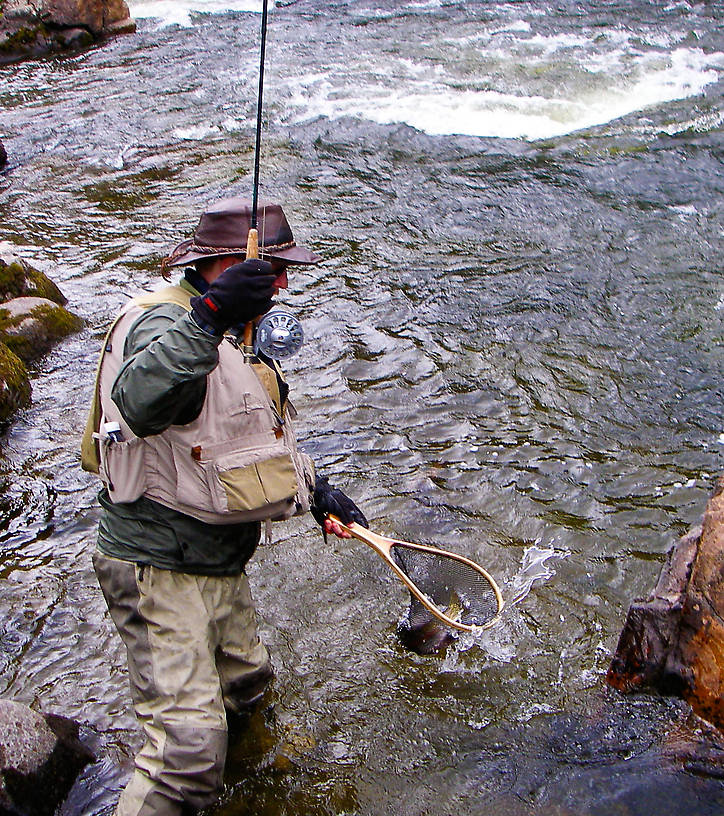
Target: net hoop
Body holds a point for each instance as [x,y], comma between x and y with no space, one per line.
[383,547]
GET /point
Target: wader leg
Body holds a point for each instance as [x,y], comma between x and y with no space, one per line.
[242,659]
[167,621]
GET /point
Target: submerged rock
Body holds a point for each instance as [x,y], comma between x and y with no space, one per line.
[674,641]
[40,757]
[29,29]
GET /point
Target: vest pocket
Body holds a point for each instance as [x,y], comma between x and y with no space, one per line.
[256,485]
[122,469]
[223,480]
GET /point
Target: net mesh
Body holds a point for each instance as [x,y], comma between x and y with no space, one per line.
[458,590]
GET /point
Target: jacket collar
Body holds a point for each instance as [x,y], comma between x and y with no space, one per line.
[193,282]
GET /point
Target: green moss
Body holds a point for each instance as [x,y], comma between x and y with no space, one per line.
[53,323]
[59,322]
[12,277]
[40,285]
[18,279]
[16,42]
[14,384]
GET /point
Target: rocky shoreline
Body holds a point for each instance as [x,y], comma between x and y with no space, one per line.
[30,30]
[674,641]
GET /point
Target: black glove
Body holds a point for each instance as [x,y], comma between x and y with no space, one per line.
[240,293]
[328,499]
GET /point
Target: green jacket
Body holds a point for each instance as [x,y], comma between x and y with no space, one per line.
[163,382]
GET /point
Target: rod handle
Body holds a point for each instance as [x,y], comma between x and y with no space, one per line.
[252,244]
[252,251]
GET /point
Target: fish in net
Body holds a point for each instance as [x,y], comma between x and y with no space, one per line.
[448,590]
[456,588]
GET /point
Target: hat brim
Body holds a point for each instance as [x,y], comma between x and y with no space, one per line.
[292,255]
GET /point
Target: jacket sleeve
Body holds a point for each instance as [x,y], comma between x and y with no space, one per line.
[162,381]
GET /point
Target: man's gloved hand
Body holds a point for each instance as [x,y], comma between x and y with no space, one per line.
[328,499]
[240,293]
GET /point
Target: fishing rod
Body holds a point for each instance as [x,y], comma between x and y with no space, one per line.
[252,243]
[279,333]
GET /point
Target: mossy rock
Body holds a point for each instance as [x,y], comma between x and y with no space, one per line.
[32,28]
[30,326]
[15,390]
[19,279]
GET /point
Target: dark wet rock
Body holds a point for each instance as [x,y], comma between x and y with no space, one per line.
[697,746]
[29,29]
[30,326]
[674,641]
[620,756]
[15,390]
[40,757]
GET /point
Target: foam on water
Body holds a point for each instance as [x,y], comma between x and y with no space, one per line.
[428,97]
[534,567]
[178,12]
[506,81]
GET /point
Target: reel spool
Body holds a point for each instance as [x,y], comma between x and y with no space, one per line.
[279,335]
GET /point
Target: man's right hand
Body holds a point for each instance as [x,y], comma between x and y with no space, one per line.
[240,293]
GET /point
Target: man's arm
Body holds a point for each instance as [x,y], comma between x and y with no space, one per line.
[162,381]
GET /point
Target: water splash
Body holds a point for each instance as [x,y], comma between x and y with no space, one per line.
[534,567]
[500,641]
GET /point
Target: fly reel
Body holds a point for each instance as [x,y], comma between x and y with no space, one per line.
[279,335]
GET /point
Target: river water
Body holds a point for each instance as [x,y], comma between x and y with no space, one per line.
[513,349]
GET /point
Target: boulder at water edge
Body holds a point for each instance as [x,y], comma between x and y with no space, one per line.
[674,641]
[31,29]
[19,279]
[40,757]
[15,390]
[30,326]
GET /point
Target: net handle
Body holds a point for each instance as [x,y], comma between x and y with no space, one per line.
[383,545]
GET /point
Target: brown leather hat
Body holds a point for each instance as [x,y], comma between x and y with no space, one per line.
[223,230]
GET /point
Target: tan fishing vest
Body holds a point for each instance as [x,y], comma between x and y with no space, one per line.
[238,461]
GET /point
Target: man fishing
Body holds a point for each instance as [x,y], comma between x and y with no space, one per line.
[193,439]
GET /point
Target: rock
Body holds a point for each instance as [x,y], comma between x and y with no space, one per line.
[29,326]
[93,15]
[674,642]
[31,320]
[3,156]
[40,757]
[29,29]
[652,626]
[19,279]
[15,390]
